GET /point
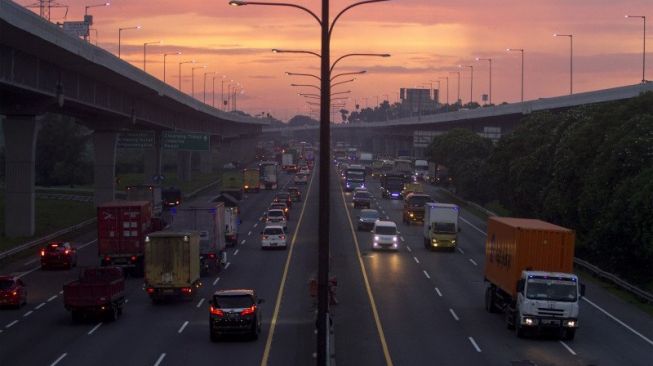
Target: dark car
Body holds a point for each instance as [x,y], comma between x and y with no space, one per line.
[283,197]
[12,291]
[367,218]
[234,312]
[58,254]
[295,194]
[171,197]
[362,199]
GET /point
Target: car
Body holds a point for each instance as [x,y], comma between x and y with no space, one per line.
[234,311]
[292,168]
[362,199]
[385,235]
[367,218]
[283,197]
[295,194]
[273,236]
[300,178]
[58,254]
[12,291]
[276,216]
[280,206]
[304,170]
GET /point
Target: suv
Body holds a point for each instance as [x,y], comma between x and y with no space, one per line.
[276,216]
[385,235]
[300,178]
[295,194]
[273,236]
[58,253]
[283,197]
[362,199]
[234,312]
[280,206]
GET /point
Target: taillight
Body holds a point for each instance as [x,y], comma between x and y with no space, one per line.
[187,290]
[282,237]
[150,290]
[107,259]
[216,312]
[14,293]
[66,252]
[42,252]
[212,255]
[248,311]
[133,258]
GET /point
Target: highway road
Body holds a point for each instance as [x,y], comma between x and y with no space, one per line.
[410,307]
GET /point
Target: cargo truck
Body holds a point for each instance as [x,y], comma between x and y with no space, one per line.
[122,227]
[528,268]
[354,177]
[172,266]
[209,221]
[392,184]
[98,291]
[441,225]
[231,218]
[404,167]
[287,160]
[268,175]
[232,183]
[421,169]
[251,180]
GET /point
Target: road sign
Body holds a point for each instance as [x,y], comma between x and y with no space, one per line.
[185,141]
[77,29]
[136,140]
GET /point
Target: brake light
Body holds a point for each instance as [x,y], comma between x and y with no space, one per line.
[187,290]
[42,252]
[216,312]
[66,252]
[282,237]
[107,259]
[248,311]
[133,258]
[150,290]
[211,255]
[14,293]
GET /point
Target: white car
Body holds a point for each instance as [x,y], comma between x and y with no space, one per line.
[385,235]
[273,236]
[276,217]
[304,170]
[300,178]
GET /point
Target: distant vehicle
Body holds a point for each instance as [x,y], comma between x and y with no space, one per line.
[304,170]
[234,312]
[362,199]
[385,235]
[276,216]
[367,218]
[528,267]
[98,291]
[231,218]
[295,194]
[232,183]
[172,266]
[58,254]
[392,185]
[300,178]
[441,225]
[268,175]
[421,169]
[251,180]
[273,236]
[12,291]
[283,197]
[287,159]
[171,197]
[147,192]
[404,166]
[411,188]
[281,206]
[414,204]
[354,177]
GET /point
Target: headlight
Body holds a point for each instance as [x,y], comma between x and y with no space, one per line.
[411,215]
[528,321]
[376,238]
[394,238]
[570,323]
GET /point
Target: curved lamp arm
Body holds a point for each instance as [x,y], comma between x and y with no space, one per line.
[242,3]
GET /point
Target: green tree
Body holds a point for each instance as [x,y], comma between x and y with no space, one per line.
[61,153]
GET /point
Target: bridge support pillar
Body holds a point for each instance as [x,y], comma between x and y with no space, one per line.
[104,171]
[184,166]
[152,161]
[206,161]
[20,149]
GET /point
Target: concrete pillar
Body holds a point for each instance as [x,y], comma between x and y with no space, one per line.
[20,154]
[104,172]
[183,166]
[206,161]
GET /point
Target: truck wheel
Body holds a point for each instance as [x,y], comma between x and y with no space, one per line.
[490,306]
[569,334]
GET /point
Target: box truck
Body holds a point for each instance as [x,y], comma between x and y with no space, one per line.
[528,268]
[251,178]
[98,291]
[441,225]
[268,175]
[232,183]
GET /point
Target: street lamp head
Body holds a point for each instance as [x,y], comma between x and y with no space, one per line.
[237,3]
[274,50]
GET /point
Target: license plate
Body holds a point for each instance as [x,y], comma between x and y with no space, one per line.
[550,322]
[273,244]
[168,291]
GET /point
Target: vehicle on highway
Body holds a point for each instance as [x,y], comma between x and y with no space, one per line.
[367,218]
[13,291]
[97,291]
[58,254]
[172,266]
[392,185]
[273,236]
[283,197]
[441,225]
[171,197]
[385,235]
[411,188]
[421,169]
[268,174]
[234,311]
[528,267]
[276,216]
[232,183]
[295,194]
[354,177]
[414,204]
[300,178]
[280,206]
[231,218]
[147,192]
[304,170]
[251,179]
[362,199]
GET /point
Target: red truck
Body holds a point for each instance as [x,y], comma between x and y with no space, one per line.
[122,228]
[98,291]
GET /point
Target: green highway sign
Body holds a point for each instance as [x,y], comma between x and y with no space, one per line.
[172,140]
[136,140]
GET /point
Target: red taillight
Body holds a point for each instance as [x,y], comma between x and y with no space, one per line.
[187,290]
[216,312]
[150,290]
[42,252]
[177,202]
[14,293]
[212,255]
[107,259]
[133,258]
[264,237]
[66,252]
[250,310]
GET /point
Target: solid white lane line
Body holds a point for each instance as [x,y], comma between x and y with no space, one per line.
[11,324]
[52,297]
[568,348]
[416,260]
[200,303]
[28,272]
[473,226]
[249,233]
[453,313]
[242,242]
[478,349]
[473,262]
[438,291]
[39,306]
[183,326]
[158,361]
[94,328]
[236,252]
[31,261]
[227,265]
[58,359]
[426,274]
[27,314]
[408,248]
[618,321]
[461,251]
[86,244]
[61,292]
[216,281]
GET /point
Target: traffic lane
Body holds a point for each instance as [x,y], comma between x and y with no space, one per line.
[294,339]
[357,340]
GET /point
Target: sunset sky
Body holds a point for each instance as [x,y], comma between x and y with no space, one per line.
[427,40]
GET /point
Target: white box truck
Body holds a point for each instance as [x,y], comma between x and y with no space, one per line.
[441,225]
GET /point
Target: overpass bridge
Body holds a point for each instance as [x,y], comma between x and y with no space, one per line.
[46,73]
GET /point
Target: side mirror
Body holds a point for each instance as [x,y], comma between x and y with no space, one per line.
[520,285]
[582,289]
[260,301]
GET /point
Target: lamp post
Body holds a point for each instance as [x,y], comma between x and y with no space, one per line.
[471,83]
[213,93]
[206,73]
[164,63]
[435,81]
[145,52]
[89,20]
[489,60]
[224,102]
[643,17]
[447,79]
[192,79]
[181,63]
[458,85]
[571,60]
[120,35]
[522,68]
[94,6]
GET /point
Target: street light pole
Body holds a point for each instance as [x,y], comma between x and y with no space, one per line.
[164,63]
[192,81]
[145,53]
[471,83]
[458,86]
[88,20]
[120,36]
[489,60]
[522,68]
[206,73]
[571,60]
[181,63]
[643,17]
[446,78]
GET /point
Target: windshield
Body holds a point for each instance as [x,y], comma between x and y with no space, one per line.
[362,195]
[233,302]
[385,230]
[370,214]
[553,290]
[273,231]
[275,213]
[6,284]
[444,227]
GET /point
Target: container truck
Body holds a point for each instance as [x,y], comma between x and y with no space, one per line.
[231,218]
[232,183]
[172,266]
[268,175]
[287,160]
[122,227]
[209,221]
[441,225]
[98,291]
[528,268]
[251,180]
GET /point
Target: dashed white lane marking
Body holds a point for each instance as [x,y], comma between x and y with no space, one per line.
[408,248]
[568,348]
[453,313]
[402,238]
[236,252]
[11,324]
[618,321]
[58,359]
[61,292]
[478,349]
[473,262]
[27,314]
[438,291]
[249,233]
[86,244]
[461,251]
[28,272]
[426,274]
[416,260]
[242,242]
[216,281]
[94,328]
[183,326]
[255,225]
[227,265]
[158,361]
[31,261]
[200,303]
[39,306]
[473,226]
[52,297]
